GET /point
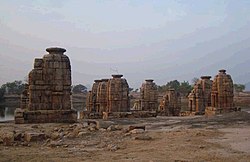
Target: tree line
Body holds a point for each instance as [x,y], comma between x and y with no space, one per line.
[183,88]
[17,86]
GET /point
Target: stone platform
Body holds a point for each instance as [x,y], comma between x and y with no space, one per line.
[210,111]
[45,116]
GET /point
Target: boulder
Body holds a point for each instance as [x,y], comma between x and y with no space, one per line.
[137,131]
[34,137]
[143,137]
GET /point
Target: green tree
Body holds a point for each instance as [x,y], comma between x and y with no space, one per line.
[79,88]
[162,88]
[1,94]
[239,87]
[195,80]
[15,87]
[185,88]
[175,84]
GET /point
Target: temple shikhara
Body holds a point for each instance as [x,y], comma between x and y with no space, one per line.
[108,96]
[102,98]
[49,90]
[118,94]
[200,96]
[222,91]
[149,96]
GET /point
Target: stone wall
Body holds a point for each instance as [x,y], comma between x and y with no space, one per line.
[25,97]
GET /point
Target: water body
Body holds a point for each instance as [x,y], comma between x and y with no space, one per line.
[7,113]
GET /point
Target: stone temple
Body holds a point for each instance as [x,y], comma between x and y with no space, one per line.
[91,102]
[118,94]
[149,96]
[170,104]
[102,98]
[222,91]
[49,90]
[108,95]
[200,96]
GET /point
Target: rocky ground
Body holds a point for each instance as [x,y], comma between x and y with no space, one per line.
[219,138]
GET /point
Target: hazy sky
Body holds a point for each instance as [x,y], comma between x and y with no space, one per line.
[160,39]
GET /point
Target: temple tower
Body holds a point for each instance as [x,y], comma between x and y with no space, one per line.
[49,90]
[149,96]
[118,94]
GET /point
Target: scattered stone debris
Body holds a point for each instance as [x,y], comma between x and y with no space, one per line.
[137,131]
[132,127]
[7,138]
[34,137]
[113,147]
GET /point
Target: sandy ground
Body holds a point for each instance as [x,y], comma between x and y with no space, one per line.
[180,139]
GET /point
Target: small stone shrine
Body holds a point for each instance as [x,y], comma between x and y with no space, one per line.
[149,96]
[222,91]
[170,104]
[200,96]
[118,94]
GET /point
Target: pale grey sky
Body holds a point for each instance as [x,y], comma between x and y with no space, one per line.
[164,40]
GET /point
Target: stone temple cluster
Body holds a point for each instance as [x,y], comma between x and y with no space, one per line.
[47,96]
[109,95]
[216,95]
